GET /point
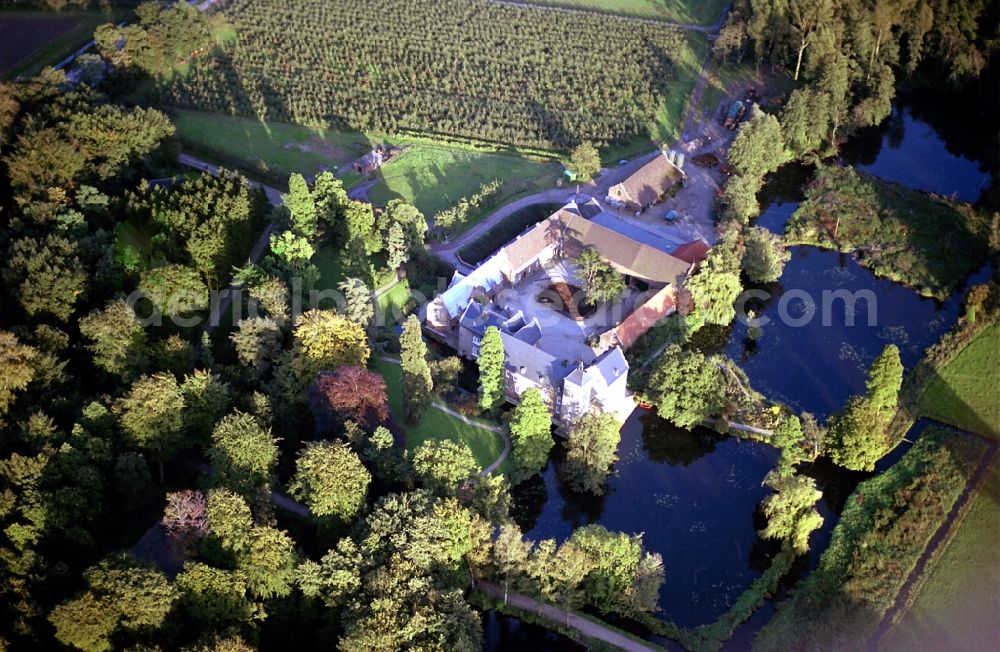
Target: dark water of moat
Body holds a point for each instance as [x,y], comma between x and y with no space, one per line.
[694,495]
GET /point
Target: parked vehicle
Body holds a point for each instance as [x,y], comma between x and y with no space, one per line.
[671,216]
[735,113]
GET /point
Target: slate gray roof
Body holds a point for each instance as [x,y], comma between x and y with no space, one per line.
[648,182]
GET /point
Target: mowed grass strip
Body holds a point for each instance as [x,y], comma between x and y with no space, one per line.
[958,604]
[965,393]
[273,149]
[436,425]
[694,12]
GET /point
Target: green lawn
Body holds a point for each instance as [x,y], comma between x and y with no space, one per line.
[958,604]
[437,425]
[428,175]
[965,394]
[331,267]
[274,150]
[433,178]
[34,49]
[698,12]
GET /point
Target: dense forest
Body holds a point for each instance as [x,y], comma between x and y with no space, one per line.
[139,448]
[472,70]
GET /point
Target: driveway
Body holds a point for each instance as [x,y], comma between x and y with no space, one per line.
[596,188]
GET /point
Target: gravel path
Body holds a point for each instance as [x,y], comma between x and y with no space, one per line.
[586,627]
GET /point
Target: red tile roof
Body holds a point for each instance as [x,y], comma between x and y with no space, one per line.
[691,252]
[643,318]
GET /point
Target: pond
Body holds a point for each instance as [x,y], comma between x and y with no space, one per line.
[908,150]
[693,494]
[814,364]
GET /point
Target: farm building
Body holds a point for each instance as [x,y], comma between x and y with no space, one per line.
[647,186]
[575,360]
[369,162]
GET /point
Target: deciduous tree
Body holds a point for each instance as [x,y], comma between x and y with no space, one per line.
[152,416]
[48,274]
[791,510]
[16,362]
[118,340]
[441,466]
[759,147]
[716,285]
[765,256]
[624,578]
[856,438]
[686,387]
[601,281]
[122,595]
[331,480]
[243,454]
[257,341]
[349,394]
[206,399]
[531,435]
[325,341]
[585,160]
[591,449]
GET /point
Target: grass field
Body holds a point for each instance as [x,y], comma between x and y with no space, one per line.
[695,12]
[958,604]
[965,394]
[436,425]
[35,39]
[434,178]
[272,149]
[429,176]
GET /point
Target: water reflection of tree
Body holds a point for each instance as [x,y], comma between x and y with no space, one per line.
[758,307]
[666,443]
[529,498]
[711,338]
[834,481]
[577,508]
